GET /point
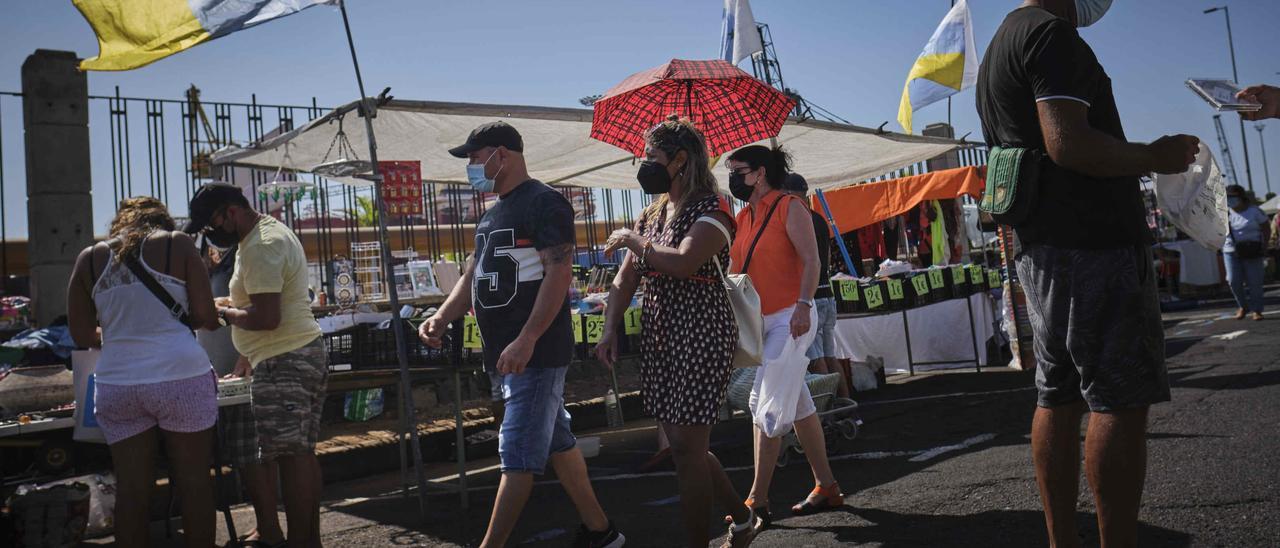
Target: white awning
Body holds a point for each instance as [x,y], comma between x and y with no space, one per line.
[558,149]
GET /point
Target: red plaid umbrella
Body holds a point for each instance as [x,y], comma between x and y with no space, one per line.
[729,106]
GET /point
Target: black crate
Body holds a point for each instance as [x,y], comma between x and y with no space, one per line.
[848,297]
[918,291]
[957,280]
[895,293]
[938,289]
[377,349]
[874,294]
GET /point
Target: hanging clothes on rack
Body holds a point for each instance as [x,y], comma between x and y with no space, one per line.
[939,245]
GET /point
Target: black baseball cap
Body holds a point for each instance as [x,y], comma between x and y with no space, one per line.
[795,183]
[493,134]
[208,199]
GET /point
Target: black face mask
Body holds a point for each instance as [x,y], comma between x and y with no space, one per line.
[221,237]
[653,177]
[738,187]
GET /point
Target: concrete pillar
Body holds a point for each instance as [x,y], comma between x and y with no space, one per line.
[948,160]
[55,97]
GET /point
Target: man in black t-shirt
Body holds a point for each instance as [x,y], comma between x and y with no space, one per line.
[518,284]
[822,353]
[1085,263]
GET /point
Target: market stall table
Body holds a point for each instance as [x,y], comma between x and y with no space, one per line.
[953,331]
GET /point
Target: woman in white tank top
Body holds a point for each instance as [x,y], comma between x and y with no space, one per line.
[152,377]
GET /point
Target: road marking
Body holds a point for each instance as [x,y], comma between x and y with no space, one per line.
[916,456]
[940,396]
[1231,336]
[932,453]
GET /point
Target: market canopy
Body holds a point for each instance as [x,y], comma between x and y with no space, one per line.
[558,146]
[857,206]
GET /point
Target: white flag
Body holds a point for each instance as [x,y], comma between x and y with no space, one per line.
[739,38]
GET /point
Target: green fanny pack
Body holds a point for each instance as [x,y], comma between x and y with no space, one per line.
[1013,184]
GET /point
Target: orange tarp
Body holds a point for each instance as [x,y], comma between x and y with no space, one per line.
[860,205]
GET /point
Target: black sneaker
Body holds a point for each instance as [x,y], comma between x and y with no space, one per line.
[609,538]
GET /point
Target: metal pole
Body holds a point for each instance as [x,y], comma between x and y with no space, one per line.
[1262,143]
[953,4]
[1244,145]
[844,251]
[408,422]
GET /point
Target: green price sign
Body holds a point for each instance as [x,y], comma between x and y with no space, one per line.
[975,274]
[993,279]
[895,290]
[848,290]
[631,321]
[875,298]
[471,333]
[595,328]
[935,278]
[957,274]
[921,284]
[577,329]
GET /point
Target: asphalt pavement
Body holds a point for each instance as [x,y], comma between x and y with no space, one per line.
[942,459]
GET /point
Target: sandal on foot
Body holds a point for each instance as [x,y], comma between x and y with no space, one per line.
[831,498]
[761,511]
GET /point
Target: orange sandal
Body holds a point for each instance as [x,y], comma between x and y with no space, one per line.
[831,499]
[761,512]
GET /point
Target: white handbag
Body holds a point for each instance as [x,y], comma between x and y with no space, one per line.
[745,301]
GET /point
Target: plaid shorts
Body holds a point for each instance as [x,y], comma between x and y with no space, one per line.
[287,397]
[239,435]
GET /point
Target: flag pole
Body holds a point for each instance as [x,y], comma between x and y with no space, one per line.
[408,420]
[953,4]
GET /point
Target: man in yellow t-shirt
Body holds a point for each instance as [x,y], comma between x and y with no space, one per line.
[271,324]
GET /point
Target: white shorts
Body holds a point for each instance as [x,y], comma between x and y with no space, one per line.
[777,329]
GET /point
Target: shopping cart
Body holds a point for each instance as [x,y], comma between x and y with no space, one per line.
[839,416]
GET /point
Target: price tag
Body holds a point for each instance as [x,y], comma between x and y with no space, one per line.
[935,278]
[577,329]
[975,274]
[895,290]
[921,284]
[993,279]
[957,274]
[595,328]
[875,298]
[848,290]
[631,321]
[471,333]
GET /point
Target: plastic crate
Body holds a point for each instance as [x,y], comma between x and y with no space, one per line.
[343,346]
[918,291]
[848,298]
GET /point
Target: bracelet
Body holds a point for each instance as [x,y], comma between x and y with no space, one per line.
[648,246]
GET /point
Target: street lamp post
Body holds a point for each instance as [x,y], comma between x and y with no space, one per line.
[1248,173]
[1263,144]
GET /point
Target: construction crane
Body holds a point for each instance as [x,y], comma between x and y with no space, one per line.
[767,69]
[201,159]
[1228,166]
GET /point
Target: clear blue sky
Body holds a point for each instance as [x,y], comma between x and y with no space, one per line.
[848,56]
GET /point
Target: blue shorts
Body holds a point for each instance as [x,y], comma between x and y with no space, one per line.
[536,423]
[824,343]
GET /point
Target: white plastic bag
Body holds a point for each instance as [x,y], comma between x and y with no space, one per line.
[1195,201]
[783,376]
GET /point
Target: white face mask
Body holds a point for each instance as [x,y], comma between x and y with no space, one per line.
[1089,12]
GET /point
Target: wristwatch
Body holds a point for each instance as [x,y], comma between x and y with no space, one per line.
[222,317]
[806,301]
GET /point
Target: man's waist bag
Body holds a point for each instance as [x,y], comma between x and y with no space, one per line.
[1013,184]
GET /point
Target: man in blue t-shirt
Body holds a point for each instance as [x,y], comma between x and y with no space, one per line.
[1085,262]
[518,284]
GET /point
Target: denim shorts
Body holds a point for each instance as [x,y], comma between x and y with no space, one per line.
[824,343]
[536,423]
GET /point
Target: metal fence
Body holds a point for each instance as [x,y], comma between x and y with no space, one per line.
[161,148]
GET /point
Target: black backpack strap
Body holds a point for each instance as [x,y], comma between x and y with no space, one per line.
[156,289]
[751,250]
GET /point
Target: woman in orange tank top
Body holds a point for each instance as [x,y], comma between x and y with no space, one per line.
[775,245]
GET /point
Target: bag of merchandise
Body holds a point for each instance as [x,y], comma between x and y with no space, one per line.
[362,405]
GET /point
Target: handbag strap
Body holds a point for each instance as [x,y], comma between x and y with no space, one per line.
[135,265]
[716,258]
[751,250]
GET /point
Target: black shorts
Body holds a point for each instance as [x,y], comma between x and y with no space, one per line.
[1096,320]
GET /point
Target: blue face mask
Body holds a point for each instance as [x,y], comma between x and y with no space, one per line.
[1089,12]
[475,176]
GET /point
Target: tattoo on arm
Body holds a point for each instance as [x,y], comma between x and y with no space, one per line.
[557,255]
